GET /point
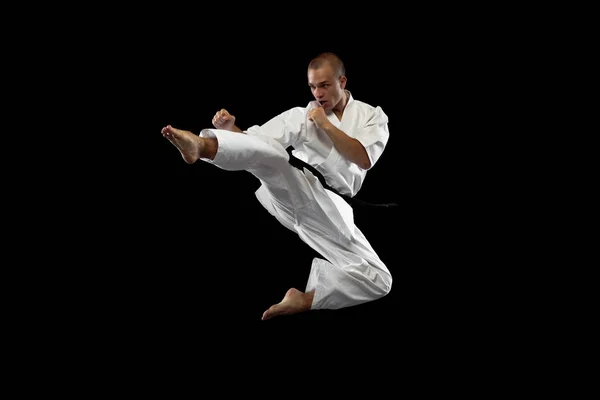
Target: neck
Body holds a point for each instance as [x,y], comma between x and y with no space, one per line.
[339,108]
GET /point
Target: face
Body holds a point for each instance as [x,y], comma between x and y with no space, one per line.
[324,86]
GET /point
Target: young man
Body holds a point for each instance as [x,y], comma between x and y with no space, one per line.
[342,138]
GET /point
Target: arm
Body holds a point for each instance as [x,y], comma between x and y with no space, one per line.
[284,128]
[349,147]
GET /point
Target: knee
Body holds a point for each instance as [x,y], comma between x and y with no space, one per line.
[387,283]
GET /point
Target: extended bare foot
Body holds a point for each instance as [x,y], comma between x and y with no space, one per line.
[293,302]
[189,145]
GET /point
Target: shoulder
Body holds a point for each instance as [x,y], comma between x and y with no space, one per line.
[296,110]
[366,106]
[369,111]
[362,104]
[293,112]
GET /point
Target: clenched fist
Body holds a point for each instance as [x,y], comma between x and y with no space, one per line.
[317,115]
[223,120]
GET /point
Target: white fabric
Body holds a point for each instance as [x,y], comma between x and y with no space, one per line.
[351,272]
[365,123]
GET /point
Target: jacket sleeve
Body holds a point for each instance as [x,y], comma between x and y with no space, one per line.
[285,128]
[375,134]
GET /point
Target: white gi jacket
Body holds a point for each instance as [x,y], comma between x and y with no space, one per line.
[351,272]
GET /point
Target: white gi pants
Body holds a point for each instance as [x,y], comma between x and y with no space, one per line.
[351,272]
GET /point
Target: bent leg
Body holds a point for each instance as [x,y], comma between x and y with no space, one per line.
[352,273]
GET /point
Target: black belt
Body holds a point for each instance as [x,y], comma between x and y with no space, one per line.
[298,163]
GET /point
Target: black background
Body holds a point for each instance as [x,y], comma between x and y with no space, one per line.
[167,249]
[129,258]
[204,247]
[220,244]
[199,243]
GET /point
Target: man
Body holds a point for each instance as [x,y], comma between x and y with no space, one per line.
[342,138]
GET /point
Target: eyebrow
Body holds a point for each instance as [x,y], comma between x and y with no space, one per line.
[318,84]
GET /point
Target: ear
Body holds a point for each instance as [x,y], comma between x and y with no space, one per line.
[343,82]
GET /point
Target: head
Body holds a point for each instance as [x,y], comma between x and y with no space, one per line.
[327,81]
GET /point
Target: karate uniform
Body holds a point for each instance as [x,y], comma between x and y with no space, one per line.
[351,272]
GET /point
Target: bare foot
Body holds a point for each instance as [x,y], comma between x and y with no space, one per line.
[189,145]
[293,302]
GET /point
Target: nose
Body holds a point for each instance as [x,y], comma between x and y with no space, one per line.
[319,93]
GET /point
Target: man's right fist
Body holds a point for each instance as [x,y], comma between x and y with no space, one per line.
[223,120]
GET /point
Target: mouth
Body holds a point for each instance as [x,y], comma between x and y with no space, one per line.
[321,102]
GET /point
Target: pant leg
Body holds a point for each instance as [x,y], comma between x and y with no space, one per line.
[351,272]
[349,275]
[266,159]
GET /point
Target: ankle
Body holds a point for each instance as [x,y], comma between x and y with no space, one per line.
[308,299]
[207,148]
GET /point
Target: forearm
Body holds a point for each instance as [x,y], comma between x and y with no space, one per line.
[349,147]
[235,128]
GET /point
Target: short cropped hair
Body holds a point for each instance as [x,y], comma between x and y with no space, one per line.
[328,58]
